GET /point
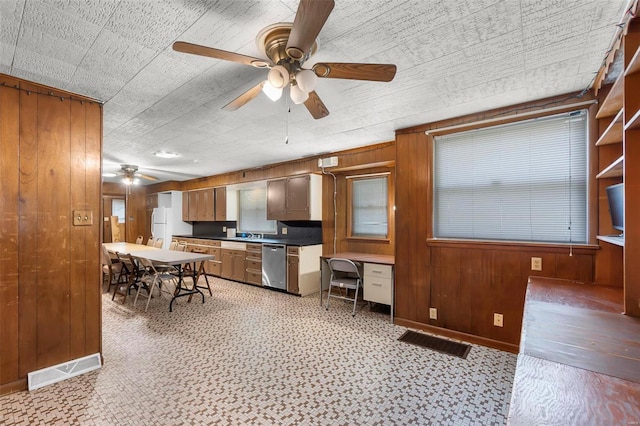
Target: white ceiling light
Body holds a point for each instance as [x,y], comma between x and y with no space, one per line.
[166,154]
[307,80]
[273,93]
[298,95]
[278,77]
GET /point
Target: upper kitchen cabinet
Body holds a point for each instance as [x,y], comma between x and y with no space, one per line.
[295,198]
[220,194]
[198,206]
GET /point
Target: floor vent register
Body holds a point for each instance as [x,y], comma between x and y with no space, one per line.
[444,346]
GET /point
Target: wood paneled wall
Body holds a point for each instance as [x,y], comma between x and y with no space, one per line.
[466,282]
[50,270]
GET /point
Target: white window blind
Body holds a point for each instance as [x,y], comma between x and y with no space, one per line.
[369,213]
[252,215]
[524,181]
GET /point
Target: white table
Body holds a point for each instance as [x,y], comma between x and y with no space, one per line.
[169,257]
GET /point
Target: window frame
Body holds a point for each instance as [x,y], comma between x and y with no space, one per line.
[589,114]
[349,219]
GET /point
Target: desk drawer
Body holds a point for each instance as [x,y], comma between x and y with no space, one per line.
[377,289]
[377,270]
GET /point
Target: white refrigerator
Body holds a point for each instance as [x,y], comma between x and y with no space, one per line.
[166,220]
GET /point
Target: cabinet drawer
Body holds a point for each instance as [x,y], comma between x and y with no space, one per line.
[376,270]
[252,247]
[254,277]
[377,289]
[293,250]
[253,264]
[216,252]
[215,268]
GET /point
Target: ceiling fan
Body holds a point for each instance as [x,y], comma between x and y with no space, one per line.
[129,173]
[288,46]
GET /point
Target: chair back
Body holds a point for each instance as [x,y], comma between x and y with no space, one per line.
[158,242]
[150,241]
[105,259]
[172,245]
[147,265]
[181,247]
[345,266]
[140,239]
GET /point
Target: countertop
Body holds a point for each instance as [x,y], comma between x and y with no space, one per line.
[300,242]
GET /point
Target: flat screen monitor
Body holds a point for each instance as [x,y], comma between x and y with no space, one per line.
[615,195]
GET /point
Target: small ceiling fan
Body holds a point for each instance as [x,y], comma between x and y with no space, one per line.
[288,46]
[129,173]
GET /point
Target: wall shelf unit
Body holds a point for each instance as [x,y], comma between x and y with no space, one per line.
[614,169]
[617,240]
[613,102]
[613,133]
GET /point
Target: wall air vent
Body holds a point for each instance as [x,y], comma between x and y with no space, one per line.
[66,370]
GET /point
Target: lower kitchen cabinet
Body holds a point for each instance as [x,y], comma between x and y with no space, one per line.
[293,270]
[303,269]
[233,264]
[253,264]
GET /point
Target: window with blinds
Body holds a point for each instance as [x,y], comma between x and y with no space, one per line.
[252,216]
[369,210]
[524,181]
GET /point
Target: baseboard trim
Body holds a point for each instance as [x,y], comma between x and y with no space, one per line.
[471,338]
[18,385]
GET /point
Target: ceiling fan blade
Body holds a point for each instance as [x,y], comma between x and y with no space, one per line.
[369,72]
[195,49]
[315,106]
[244,98]
[147,177]
[309,20]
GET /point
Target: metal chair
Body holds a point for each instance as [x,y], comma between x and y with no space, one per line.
[344,275]
[173,245]
[128,277]
[140,239]
[158,243]
[150,241]
[151,278]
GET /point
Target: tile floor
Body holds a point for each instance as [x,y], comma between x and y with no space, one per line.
[255,356]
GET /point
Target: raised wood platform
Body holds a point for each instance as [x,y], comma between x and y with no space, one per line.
[579,360]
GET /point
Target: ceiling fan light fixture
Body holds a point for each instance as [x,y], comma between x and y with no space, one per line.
[307,80]
[298,95]
[273,93]
[278,77]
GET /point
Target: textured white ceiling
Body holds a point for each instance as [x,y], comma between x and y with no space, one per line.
[453,58]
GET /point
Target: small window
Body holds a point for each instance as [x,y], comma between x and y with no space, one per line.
[118,209]
[253,212]
[369,213]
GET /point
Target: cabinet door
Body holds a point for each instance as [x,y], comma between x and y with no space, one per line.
[221,204]
[297,198]
[238,266]
[293,263]
[203,205]
[185,206]
[276,199]
[193,206]
[226,270]
[208,199]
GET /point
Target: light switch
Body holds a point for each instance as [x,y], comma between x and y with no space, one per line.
[82,218]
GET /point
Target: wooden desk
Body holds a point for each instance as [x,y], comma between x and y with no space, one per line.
[170,257]
[579,360]
[367,260]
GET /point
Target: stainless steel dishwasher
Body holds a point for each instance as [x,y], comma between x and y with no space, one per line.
[274,266]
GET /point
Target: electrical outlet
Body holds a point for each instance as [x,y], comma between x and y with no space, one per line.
[497,320]
[224,229]
[284,231]
[536,264]
[433,313]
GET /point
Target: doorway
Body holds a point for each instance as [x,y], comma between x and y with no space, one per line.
[114,219]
